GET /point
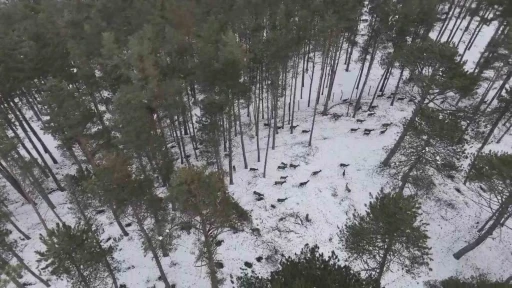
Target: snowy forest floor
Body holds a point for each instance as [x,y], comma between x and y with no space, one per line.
[453,217]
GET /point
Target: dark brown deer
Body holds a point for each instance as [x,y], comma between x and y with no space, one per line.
[383,131]
[258,194]
[354,129]
[386,125]
[305,131]
[316,173]
[281,167]
[343,165]
[294,166]
[303,184]
[253,169]
[283,177]
[360,120]
[280,183]
[281,200]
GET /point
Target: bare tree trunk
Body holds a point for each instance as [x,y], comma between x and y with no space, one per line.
[151,247]
[506,109]
[455,27]
[468,25]
[84,280]
[269,128]
[210,257]
[29,125]
[482,237]
[242,135]
[230,142]
[116,218]
[405,131]
[334,70]
[177,140]
[451,12]
[3,265]
[312,77]
[383,262]
[181,138]
[256,115]
[372,59]
[397,85]
[294,93]
[283,91]
[25,266]
[193,136]
[322,72]
[225,142]
[48,168]
[275,114]
[13,224]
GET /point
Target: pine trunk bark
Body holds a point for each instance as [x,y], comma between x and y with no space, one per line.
[405,131]
[312,77]
[230,142]
[488,232]
[242,135]
[4,264]
[322,72]
[151,247]
[26,267]
[210,258]
[80,273]
[370,65]
[31,128]
[383,262]
[13,224]
[502,114]
[116,218]
[181,138]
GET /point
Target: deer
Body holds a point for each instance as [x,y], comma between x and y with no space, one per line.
[280,183]
[343,165]
[345,100]
[304,131]
[258,194]
[386,125]
[371,113]
[360,120]
[383,131]
[293,127]
[294,166]
[253,169]
[367,133]
[343,173]
[281,167]
[316,173]
[283,177]
[354,129]
[284,164]
[400,99]
[302,184]
[347,189]
[281,200]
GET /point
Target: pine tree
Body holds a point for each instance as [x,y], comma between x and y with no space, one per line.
[73,253]
[310,268]
[203,199]
[493,171]
[388,235]
[431,146]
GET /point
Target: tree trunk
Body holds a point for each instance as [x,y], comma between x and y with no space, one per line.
[445,21]
[334,70]
[25,266]
[275,112]
[312,77]
[269,130]
[13,224]
[283,91]
[242,135]
[29,125]
[504,133]
[381,80]
[383,262]
[177,140]
[210,258]
[455,27]
[181,138]
[230,143]
[4,264]
[48,168]
[13,181]
[193,136]
[294,94]
[225,141]
[468,25]
[397,85]
[405,131]
[500,89]
[405,177]
[480,239]
[80,273]
[506,109]
[322,72]
[257,116]
[451,13]
[116,218]
[151,247]
[73,156]
[372,59]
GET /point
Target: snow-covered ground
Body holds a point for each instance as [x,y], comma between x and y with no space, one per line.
[453,218]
